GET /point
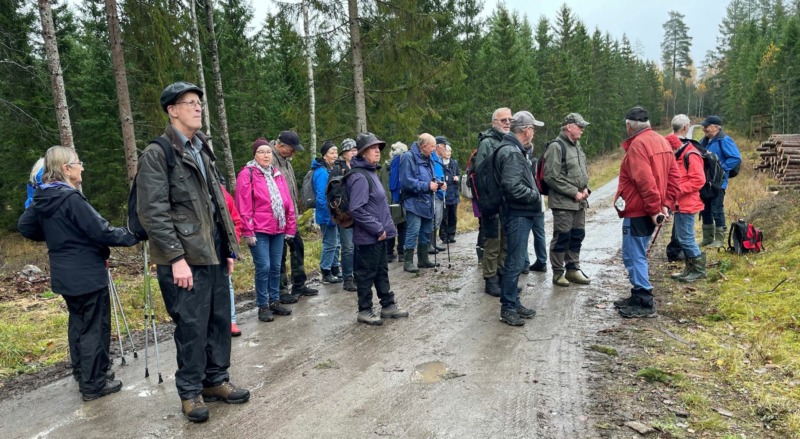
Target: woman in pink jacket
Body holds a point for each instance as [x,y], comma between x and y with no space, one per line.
[268,216]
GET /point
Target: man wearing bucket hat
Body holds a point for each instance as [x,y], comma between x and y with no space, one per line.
[569,190]
[195,256]
[372,226]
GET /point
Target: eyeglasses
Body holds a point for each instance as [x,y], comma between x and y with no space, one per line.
[75,163]
[263,152]
[193,104]
[505,120]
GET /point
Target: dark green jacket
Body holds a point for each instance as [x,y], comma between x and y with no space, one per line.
[564,186]
[175,207]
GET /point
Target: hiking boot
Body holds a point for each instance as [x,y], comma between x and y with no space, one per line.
[719,238]
[279,309]
[431,250]
[329,278]
[304,290]
[526,269]
[686,268]
[577,276]
[560,279]
[628,301]
[349,284]
[492,286]
[525,313]
[423,260]
[393,312]
[235,331]
[289,298]
[336,273]
[226,392]
[110,386]
[369,318]
[408,261]
[708,235]
[697,269]
[391,257]
[451,240]
[195,409]
[265,314]
[538,266]
[511,318]
[638,311]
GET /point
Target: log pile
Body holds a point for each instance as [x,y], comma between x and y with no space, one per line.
[780,155]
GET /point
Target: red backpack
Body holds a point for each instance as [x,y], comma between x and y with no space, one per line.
[745,238]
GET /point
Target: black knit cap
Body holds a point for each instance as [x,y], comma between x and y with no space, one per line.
[326,145]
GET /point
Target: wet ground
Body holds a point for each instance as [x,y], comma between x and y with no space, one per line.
[450,370]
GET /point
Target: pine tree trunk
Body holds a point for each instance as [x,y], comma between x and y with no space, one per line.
[200,74]
[358,68]
[223,116]
[311,100]
[56,76]
[123,98]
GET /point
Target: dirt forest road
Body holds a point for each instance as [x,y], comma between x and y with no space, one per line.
[451,370]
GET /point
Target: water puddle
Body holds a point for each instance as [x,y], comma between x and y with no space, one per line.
[430,372]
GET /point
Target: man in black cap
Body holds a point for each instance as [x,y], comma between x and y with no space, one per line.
[287,144]
[568,180]
[195,255]
[730,159]
[438,199]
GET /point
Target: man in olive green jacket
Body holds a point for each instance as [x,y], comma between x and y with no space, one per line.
[569,191]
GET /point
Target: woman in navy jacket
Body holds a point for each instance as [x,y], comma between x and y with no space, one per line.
[77,240]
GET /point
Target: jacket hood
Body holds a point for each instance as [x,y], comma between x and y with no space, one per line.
[48,198]
[492,132]
[318,163]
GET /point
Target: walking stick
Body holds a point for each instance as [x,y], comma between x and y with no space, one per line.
[660,221]
[149,313]
[116,303]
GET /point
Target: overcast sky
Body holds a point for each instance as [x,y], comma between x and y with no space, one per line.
[641,20]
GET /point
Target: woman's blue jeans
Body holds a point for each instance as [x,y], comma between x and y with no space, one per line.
[330,244]
[267,259]
[346,238]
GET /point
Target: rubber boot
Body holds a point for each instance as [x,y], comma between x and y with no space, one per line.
[698,269]
[708,235]
[408,261]
[441,248]
[423,260]
[687,266]
[719,238]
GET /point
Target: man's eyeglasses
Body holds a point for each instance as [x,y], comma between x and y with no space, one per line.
[193,104]
[505,120]
[75,163]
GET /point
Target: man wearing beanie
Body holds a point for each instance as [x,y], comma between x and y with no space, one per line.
[192,268]
[282,152]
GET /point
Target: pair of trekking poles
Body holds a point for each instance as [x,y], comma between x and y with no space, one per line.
[149,320]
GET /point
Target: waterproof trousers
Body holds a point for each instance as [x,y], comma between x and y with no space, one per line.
[89,335]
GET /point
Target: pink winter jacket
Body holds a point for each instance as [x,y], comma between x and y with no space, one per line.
[257,216]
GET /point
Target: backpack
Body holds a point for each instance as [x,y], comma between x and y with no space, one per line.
[711,167]
[134,225]
[486,186]
[339,199]
[544,188]
[307,195]
[469,172]
[744,238]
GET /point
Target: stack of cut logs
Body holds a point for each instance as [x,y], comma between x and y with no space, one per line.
[781,155]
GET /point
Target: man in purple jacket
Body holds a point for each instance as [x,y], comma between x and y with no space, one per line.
[372,226]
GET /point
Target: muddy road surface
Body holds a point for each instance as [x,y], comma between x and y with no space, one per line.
[451,370]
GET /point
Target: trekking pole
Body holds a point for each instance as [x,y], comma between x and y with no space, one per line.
[660,221]
[117,303]
[447,226]
[433,234]
[149,313]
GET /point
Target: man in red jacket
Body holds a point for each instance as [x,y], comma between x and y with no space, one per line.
[648,188]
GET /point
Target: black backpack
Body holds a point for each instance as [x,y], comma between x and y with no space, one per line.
[134,225]
[466,188]
[712,168]
[486,185]
[543,187]
[339,199]
[744,238]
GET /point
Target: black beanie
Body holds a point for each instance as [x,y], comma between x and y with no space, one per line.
[326,145]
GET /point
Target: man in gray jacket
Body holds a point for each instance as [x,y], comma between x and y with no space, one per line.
[193,242]
[569,190]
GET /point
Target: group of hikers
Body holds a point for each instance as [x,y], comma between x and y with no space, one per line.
[398,209]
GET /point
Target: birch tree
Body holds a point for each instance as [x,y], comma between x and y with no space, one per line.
[123,97]
[201,76]
[311,98]
[220,96]
[56,75]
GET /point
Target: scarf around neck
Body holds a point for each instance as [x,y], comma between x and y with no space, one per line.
[274,194]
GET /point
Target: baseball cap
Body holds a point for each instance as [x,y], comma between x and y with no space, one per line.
[575,118]
[292,139]
[525,118]
[638,114]
[442,140]
[711,120]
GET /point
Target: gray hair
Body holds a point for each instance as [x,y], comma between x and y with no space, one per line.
[54,160]
[35,171]
[636,125]
[494,115]
[680,121]
[518,128]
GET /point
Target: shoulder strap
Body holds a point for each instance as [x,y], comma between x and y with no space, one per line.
[563,147]
[361,171]
[169,153]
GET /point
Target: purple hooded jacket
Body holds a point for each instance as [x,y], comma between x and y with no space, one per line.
[368,205]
